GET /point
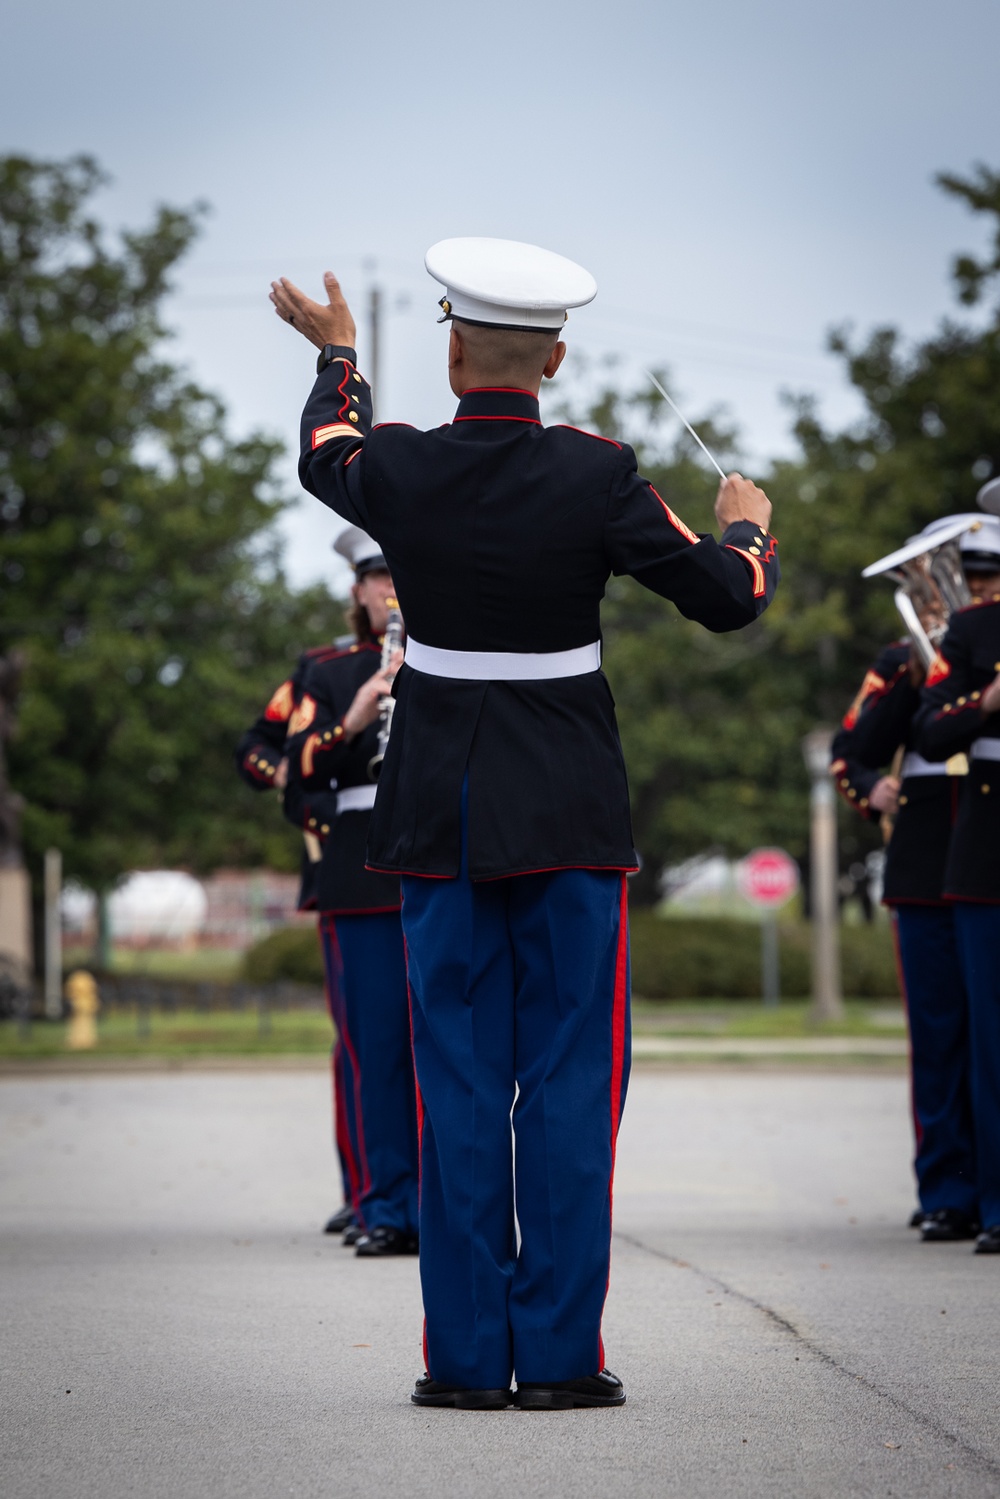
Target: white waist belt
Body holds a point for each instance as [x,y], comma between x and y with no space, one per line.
[915,765]
[502,666]
[985,749]
[356,798]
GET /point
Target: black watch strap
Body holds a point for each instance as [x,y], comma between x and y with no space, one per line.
[330,352]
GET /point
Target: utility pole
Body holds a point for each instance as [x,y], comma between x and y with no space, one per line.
[374,342]
[53,934]
[827,1002]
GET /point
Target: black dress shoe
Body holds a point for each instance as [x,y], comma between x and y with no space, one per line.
[352,1234]
[571,1394]
[427,1391]
[916,1218]
[342,1218]
[382,1241]
[947,1226]
[989,1240]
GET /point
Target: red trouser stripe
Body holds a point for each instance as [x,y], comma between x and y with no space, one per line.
[618,1040]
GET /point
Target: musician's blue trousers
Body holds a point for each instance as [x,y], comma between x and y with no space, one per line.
[978,928]
[523,984]
[938,1010]
[366,979]
[341,1136]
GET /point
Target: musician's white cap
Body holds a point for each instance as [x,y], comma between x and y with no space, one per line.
[503,283]
[979,543]
[988,497]
[362,552]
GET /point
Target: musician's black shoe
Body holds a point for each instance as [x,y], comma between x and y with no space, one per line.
[989,1240]
[947,1226]
[916,1218]
[352,1233]
[342,1218]
[427,1391]
[571,1394]
[382,1241]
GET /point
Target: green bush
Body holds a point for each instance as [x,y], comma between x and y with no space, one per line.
[716,958]
[291,953]
[692,958]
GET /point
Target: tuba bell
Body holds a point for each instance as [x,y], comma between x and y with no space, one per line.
[928,570]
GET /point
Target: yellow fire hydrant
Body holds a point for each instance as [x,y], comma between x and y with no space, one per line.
[84,1002]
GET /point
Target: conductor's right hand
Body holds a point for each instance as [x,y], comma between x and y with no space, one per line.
[740,499]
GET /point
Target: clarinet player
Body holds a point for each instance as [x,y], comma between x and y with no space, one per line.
[335,742]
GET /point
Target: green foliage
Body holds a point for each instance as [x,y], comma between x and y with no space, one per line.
[712,725]
[720,959]
[140,570]
[292,953]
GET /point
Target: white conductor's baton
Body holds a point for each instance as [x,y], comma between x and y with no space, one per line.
[673,406]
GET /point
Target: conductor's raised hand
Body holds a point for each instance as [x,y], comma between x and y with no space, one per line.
[329,323]
[740,499]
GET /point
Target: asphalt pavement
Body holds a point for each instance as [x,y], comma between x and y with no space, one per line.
[174,1325]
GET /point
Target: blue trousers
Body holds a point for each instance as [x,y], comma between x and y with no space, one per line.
[376,1101]
[938,1010]
[520,999]
[342,1141]
[978,928]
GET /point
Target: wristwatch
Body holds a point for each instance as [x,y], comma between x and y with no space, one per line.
[330,352]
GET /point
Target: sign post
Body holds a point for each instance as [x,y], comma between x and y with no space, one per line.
[769,877]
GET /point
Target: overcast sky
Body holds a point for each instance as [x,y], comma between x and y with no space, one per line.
[739,175]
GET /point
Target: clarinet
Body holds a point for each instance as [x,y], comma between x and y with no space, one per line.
[392,641]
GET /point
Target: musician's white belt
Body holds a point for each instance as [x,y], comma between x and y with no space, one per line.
[985,749]
[915,765]
[502,666]
[356,798]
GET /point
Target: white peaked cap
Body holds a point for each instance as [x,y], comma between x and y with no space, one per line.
[358,547]
[988,497]
[982,533]
[507,284]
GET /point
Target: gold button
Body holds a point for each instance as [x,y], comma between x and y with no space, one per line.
[976,696]
[337,732]
[903,800]
[947,707]
[755,551]
[357,377]
[355,647]
[327,737]
[985,790]
[962,702]
[845,782]
[353,415]
[852,794]
[325,828]
[356,399]
[863,802]
[253,759]
[312,822]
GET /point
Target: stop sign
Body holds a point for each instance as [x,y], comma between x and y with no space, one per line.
[768,876]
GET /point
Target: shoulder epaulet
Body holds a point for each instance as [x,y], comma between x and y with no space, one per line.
[566,427]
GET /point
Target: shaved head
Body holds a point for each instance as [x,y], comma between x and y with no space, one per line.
[506,356]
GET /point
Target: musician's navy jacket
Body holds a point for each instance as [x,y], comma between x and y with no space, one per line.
[952,722]
[322,763]
[263,746]
[501,535]
[879,722]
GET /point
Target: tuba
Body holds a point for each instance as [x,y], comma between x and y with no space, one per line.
[928,570]
[392,641]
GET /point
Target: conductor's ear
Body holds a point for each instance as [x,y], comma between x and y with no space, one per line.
[555,359]
[455,350]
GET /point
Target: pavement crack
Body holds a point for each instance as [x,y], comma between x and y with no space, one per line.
[928,1423]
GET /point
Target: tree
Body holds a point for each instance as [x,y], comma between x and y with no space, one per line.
[140,570]
[711,725]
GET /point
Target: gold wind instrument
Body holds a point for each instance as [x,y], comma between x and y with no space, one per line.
[392,641]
